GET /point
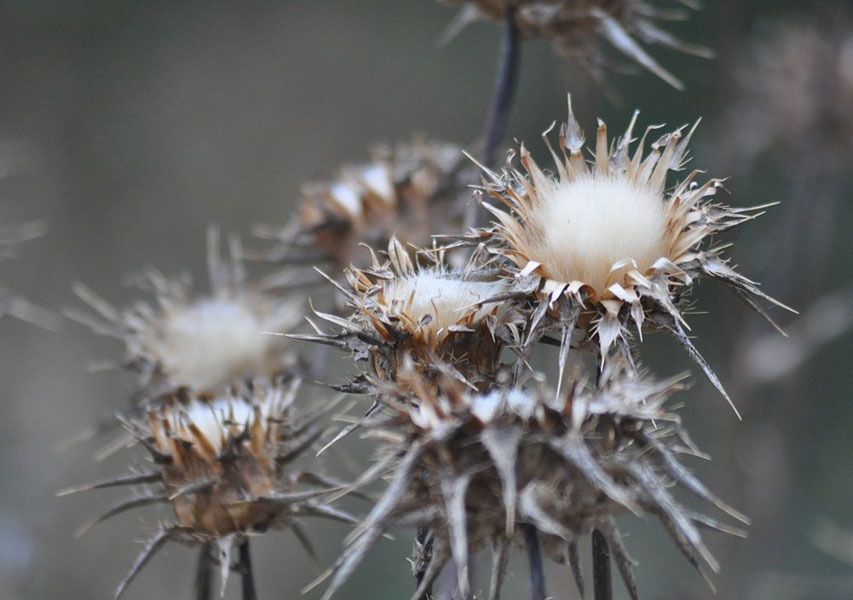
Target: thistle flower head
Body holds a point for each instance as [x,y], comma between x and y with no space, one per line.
[203,343]
[795,87]
[606,245]
[433,316]
[471,466]
[577,28]
[409,192]
[222,463]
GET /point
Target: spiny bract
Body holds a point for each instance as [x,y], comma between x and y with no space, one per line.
[223,465]
[410,191]
[576,27]
[601,245]
[474,469]
[438,318]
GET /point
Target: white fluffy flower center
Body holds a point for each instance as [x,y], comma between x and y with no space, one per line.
[441,297]
[215,418]
[208,343]
[588,224]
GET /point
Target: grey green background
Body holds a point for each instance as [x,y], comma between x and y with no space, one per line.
[132,126]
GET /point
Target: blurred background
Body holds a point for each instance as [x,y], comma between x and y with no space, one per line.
[128,127]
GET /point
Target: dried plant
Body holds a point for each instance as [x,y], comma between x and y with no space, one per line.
[794,86]
[476,469]
[433,317]
[410,191]
[603,247]
[202,343]
[576,28]
[224,465]
[477,452]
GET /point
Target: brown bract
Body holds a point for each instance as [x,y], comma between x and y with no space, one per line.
[436,318]
[474,468]
[578,26]
[223,464]
[410,191]
[605,246]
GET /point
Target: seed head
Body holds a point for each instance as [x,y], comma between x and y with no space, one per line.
[409,192]
[222,464]
[469,467]
[203,343]
[432,316]
[605,246]
[578,27]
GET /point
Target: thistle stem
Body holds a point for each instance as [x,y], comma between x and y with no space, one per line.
[425,548]
[204,573]
[248,577]
[534,557]
[602,585]
[505,86]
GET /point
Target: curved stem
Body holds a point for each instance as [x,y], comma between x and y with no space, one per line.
[248,577]
[602,584]
[204,573]
[424,549]
[505,86]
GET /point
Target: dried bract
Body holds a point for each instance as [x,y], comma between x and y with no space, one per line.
[222,464]
[605,246]
[200,342]
[432,316]
[577,28]
[474,468]
[410,192]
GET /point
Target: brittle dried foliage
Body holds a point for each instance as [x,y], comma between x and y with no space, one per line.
[409,192]
[600,247]
[577,27]
[473,468]
[224,465]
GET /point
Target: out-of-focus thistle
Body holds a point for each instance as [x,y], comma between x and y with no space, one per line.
[432,317]
[603,246]
[576,26]
[203,343]
[410,191]
[11,304]
[475,469]
[795,89]
[223,464]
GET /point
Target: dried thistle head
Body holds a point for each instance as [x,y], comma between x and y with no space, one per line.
[410,191]
[578,27]
[795,89]
[11,236]
[200,342]
[606,246]
[224,465]
[438,318]
[472,467]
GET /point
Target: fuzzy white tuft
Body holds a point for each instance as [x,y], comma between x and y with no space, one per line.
[221,417]
[443,297]
[587,225]
[208,343]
